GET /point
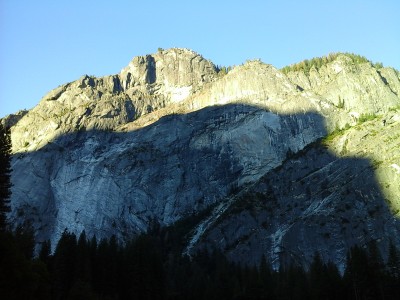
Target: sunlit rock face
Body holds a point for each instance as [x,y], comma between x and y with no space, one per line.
[361,88]
[168,137]
[147,84]
[115,182]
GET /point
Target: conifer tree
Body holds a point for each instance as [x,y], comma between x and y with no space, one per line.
[393,272]
[317,277]
[393,264]
[45,251]
[5,175]
[24,237]
[376,271]
[64,270]
[356,273]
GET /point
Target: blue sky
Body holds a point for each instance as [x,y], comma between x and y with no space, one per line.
[48,43]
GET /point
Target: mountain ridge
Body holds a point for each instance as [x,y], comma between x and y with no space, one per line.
[168,136]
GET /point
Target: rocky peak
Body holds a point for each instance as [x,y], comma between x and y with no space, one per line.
[180,80]
[173,74]
[147,84]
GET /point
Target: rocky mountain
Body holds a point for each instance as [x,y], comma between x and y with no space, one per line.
[285,163]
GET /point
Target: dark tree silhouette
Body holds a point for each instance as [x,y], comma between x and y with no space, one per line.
[5,175]
[45,252]
[64,268]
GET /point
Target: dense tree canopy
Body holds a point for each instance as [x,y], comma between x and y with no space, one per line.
[151,267]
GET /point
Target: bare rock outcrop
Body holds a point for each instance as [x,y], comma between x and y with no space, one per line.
[357,87]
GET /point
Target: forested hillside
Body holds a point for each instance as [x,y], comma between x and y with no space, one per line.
[151,267]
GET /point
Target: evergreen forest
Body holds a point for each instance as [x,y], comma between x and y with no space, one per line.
[151,267]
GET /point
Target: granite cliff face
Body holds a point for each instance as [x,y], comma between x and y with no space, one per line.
[168,137]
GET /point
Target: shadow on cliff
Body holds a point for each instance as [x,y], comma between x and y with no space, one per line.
[107,182]
[314,202]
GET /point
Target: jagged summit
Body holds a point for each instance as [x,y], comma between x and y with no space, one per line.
[173,74]
[180,80]
[147,84]
[169,136]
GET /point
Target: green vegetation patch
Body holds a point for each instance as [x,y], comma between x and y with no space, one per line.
[366,117]
[337,132]
[318,62]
